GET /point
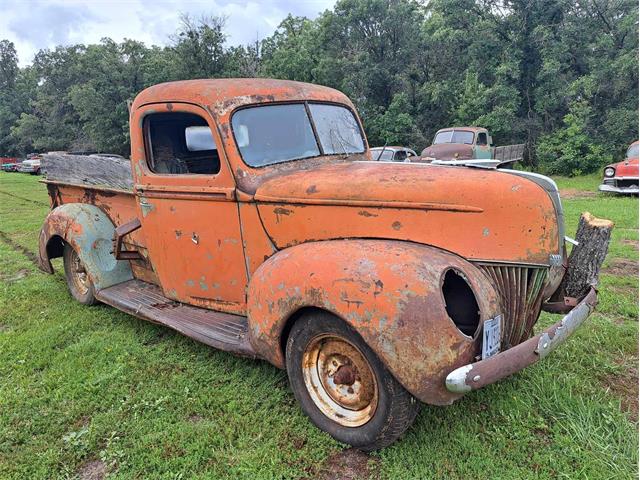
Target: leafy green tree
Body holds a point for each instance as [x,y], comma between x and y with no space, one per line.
[559,75]
[571,150]
[9,101]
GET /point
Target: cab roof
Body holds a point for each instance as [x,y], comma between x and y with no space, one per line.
[470,129]
[225,94]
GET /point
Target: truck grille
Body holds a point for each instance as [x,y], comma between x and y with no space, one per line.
[520,290]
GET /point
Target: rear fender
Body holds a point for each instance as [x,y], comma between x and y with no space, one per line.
[389,292]
[90,232]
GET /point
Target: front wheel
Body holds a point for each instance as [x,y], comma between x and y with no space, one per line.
[78,281]
[342,385]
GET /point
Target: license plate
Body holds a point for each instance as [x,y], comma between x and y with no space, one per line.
[491,336]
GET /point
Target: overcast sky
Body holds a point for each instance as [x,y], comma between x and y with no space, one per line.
[35,24]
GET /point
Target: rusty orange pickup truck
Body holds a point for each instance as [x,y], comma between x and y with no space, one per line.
[250,217]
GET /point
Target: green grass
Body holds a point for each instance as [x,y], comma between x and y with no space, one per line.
[81,384]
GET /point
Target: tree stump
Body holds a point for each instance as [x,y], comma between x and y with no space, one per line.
[586,258]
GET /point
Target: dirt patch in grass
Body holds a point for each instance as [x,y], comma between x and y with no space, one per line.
[624,291]
[350,464]
[14,277]
[569,193]
[92,470]
[622,267]
[625,387]
[633,243]
[29,200]
[19,248]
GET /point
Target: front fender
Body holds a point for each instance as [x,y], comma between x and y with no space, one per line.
[388,291]
[90,232]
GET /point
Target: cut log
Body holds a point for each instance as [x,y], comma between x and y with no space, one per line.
[586,258]
[110,172]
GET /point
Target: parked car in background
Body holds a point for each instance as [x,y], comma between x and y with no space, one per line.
[8,164]
[10,167]
[31,165]
[392,154]
[622,177]
[469,143]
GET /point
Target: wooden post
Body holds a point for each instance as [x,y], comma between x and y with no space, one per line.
[586,258]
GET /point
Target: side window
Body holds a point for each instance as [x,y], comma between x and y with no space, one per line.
[401,156]
[180,143]
[482,139]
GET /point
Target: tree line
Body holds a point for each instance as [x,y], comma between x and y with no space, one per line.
[560,76]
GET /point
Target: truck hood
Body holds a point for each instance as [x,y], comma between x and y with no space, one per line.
[480,214]
[449,151]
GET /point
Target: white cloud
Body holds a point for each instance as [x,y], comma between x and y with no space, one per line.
[36,24]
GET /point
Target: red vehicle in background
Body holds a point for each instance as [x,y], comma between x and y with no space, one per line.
[622,177]
[9,164]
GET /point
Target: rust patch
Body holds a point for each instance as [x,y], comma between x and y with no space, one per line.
[396,225]
[311,189]
[280,211]
[92,470]
[622,267]
[350,464]
[364,213]
[89,196]
[164,305]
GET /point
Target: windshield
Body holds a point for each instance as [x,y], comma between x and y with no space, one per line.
[633,151]
[454,136]
[271,134]
[386,156]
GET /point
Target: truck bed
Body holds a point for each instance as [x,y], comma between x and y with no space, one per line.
[105,182]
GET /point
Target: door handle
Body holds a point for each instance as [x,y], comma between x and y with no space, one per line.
[145,206]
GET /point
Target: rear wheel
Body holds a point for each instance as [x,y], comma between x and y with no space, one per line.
[78,281]
[342,385]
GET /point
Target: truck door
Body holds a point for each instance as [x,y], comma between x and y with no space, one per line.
[482,148]
[186,204]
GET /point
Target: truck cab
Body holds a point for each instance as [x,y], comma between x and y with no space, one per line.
[460,143]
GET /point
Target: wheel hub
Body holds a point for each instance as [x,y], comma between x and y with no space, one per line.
[340,380]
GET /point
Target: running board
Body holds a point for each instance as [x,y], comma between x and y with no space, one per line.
[223,331]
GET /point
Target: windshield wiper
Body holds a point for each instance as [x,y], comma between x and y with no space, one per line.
[344,148]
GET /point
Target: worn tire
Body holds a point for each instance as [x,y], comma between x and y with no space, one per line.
[84,294]
[396,408]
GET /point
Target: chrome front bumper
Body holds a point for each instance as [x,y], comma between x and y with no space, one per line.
[610,188]
[484,372]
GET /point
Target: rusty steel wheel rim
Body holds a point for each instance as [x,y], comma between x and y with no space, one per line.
[79,275]
[340,380]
